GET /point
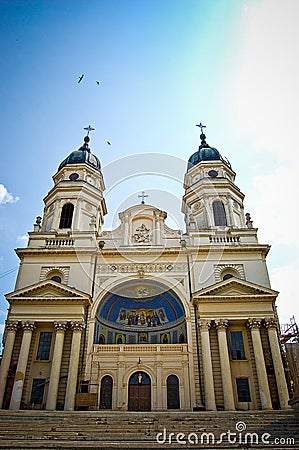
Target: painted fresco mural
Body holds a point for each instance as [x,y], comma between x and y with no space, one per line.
[123,320]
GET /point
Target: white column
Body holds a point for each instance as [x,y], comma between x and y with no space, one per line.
[210,403]
[56,365]
[159,386]
[120,381]
[157,230]
[11,328]
[281,383]
[254,325]
[70,394]
[187,404]
[17,390]
[56,215]
[228,394]
[126,230]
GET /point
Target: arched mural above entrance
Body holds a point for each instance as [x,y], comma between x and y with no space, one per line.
[140,313]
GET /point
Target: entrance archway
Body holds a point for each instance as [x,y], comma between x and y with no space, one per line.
[139,398]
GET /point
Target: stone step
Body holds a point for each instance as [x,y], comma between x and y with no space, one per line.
[122,430]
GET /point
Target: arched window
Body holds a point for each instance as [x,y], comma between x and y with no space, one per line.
[66,216]
[173,392]
[56,278]
[227,276]
[219,213]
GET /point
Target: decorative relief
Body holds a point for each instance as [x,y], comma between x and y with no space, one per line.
[88,206]
[64,270]
[145,268]
[142,234]
[238,268]
[196,206]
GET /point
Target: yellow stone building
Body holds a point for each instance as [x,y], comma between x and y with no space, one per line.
[143,317]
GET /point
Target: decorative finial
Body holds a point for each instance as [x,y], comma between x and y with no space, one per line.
[142,196]
[202,136]
[88,129]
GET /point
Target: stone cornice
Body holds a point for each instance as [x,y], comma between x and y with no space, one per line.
[238,298]
[38,300]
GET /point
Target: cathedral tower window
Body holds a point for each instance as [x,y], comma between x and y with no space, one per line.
[66,216]
[44,346]
[219,213]
[237,345]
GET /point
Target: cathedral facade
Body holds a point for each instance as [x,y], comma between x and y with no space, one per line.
[143,317]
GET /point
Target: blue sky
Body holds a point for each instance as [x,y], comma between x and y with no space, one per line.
[163,66]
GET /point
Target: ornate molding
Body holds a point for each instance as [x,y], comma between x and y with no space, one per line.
[28,326]
[64,270]
[219,268]
[145,268]
[221,324]
[60,325]
[254,324]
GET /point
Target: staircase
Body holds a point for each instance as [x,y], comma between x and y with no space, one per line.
[139,430]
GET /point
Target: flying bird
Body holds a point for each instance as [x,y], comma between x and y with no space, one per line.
[108,142]
[81,78]
[98,83]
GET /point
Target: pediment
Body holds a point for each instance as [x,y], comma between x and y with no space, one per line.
[47,289]
[235,287]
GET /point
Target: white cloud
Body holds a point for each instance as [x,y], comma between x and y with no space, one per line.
[23,238]
[6,197]
[285,280]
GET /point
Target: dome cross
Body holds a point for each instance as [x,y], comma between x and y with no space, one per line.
[88,129]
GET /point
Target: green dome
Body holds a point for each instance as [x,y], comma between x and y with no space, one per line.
[206,153]
[82,156]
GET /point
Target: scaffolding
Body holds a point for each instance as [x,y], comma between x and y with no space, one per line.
[289,338]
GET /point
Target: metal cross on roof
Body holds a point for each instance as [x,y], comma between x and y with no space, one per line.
[88,129]
[142,196]
[201,126]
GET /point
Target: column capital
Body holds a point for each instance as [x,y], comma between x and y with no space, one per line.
[254,324]
[204,325]
[271,322]
[12,325]
[78,326]
[221,324]
[60,325]
[28,325]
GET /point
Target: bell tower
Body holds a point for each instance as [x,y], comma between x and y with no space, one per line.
[211,200]
[76,203]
